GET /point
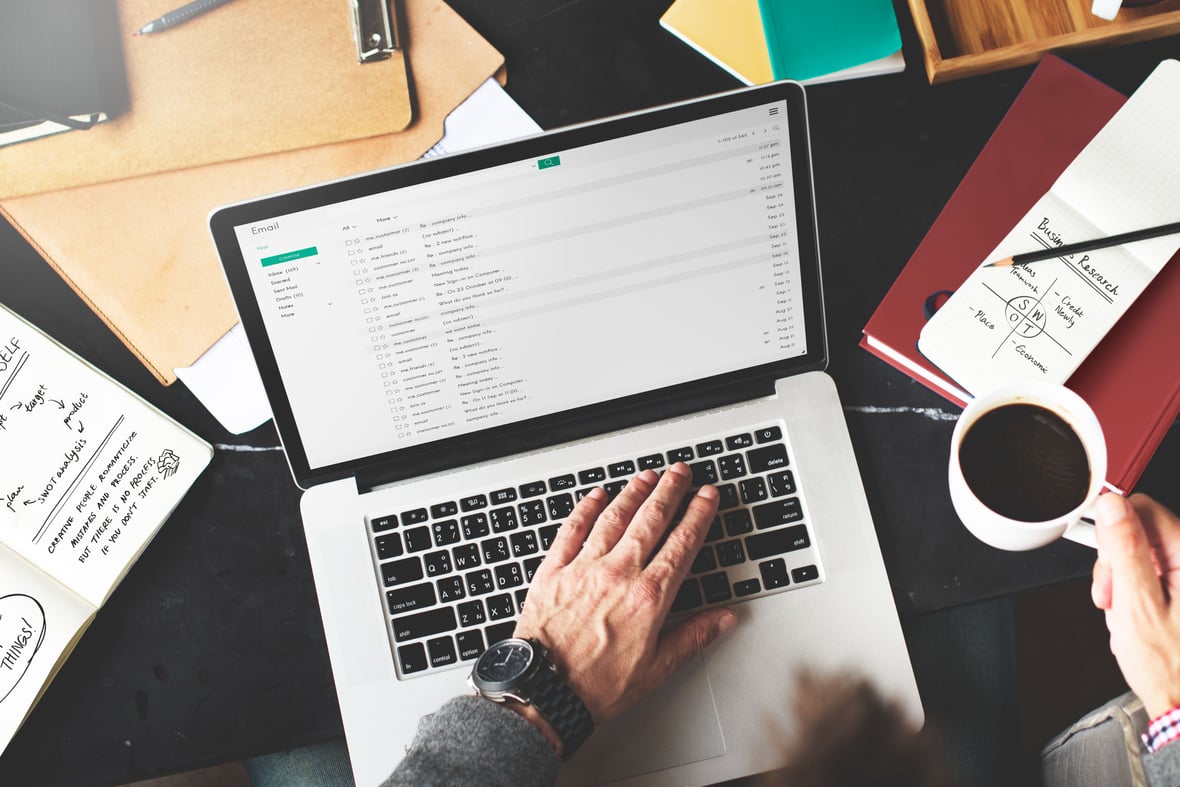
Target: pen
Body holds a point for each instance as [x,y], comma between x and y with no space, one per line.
[179,16]
[1088,245]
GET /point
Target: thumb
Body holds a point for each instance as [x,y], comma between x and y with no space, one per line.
[685,640]
[1124,549]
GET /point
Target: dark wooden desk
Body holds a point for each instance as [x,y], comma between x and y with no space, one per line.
[212,648]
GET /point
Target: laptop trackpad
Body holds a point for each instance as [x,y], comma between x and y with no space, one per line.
[675,725]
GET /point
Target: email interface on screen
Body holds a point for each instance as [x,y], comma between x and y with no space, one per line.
[533,287]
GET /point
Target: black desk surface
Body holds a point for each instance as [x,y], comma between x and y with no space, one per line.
[212,647]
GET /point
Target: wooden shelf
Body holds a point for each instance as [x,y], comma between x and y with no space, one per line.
[963,38]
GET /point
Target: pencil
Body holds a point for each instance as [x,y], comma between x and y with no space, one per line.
[1087,245]
[179,16]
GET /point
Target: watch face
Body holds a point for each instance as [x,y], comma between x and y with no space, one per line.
[504,661]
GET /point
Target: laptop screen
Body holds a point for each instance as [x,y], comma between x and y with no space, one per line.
[531,280]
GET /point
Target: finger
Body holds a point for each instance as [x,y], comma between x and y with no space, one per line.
[652,519]
[568,542]
[676,555]
[686,639]
[1123,546]
[1163,531]
[1100,585]
[612,522]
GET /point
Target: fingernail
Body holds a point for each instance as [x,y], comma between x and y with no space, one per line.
[680,469]
[1110,508]
[649,476]
[726,622]
[708,493]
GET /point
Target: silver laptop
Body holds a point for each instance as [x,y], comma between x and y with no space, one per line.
[458,349]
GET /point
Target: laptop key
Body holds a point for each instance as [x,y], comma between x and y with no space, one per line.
[471,613]
[412,658]
[730,553]
[710,448]
[561,482]
[500,631]
[479,582]
[500,607]
[450,589]
[738,441]
[509,575]
[503,519]
[768,457]
[520,597]
[688,597]
[704,472]
[732,466]
[389,546]
[727,497]
[651,461]
[779,512]
[442,651]
[680,455]
[781,483]
[418,539]
[437,563]
[614,487]
[495,549]
[560,506]
[768,434]
[747,587]
[470,644]
[715,587]
[475,526]
[774,573]
[530,567]
[399,572]
[379,524]
[594,475]
[548,533]
[502,496]
[716,532]
[473,503]
[737,522]
[618,469]
[442,510]
[424,624]
[465,556]
[805,573]
[524,543]
[445,532]
[532,512]
[410,598]
[417,516]
[753,490]
[532,489]
[704,561]
[777,542]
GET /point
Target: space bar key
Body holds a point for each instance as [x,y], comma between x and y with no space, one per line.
[778,541]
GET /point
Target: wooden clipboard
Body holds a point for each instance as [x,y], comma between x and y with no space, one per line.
[246,79]
[137,250]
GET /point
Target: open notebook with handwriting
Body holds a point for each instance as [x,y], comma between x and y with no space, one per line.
[89,473]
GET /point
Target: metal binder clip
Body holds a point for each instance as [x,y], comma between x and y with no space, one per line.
[375,29]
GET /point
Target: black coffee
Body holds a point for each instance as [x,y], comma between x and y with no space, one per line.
[1025,462]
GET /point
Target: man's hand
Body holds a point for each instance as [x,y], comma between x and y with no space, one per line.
[599,607]
[1136,581]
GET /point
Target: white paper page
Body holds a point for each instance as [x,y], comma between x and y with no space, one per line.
[39,620]
[88,471]
[225,379]
[1040,321]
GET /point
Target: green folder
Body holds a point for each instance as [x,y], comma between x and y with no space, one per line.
[810,38]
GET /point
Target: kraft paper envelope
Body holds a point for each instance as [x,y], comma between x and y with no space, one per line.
[138,250]
[245,79]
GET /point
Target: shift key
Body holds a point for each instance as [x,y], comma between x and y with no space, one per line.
[424,624]
[776,542]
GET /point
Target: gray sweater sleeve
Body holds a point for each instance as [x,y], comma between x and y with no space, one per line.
[1163,767]
[470,740]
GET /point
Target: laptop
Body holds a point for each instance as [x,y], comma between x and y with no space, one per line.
[458,349]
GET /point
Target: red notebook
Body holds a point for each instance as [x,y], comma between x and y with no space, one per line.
[1132,378]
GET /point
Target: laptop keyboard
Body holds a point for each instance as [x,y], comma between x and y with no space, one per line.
[455,573]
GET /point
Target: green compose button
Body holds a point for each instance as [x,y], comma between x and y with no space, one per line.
[546,163]
[290,256]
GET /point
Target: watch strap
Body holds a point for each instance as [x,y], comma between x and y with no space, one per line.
[562,708]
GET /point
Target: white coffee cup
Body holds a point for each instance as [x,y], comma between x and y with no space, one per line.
[1109,9]
[1001,530]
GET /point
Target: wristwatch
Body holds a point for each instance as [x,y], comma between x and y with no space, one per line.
[520,670]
